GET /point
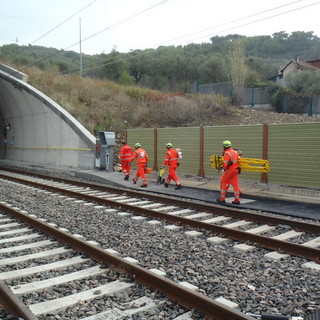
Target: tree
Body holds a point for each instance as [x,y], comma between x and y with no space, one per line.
[114,66]
[140,62]
[237,67]
[213,70]
[125,79]
[304,82]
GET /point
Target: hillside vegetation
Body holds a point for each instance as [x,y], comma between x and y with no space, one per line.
[151,88]
[170,68]
[104,105]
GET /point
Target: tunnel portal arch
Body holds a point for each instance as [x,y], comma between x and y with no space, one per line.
[36,130]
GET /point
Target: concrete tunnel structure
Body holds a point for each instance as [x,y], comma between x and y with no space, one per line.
[37,131]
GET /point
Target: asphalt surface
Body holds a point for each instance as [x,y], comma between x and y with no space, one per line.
[288,205]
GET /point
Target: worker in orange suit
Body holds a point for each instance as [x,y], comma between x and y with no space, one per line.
[230,173]
[172,160]
[142,159]
[125,155]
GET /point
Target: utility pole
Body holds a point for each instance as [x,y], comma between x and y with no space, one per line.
[80,48]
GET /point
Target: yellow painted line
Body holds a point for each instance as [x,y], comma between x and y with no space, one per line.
[45,148]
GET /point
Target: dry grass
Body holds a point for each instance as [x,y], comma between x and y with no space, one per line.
[104,105]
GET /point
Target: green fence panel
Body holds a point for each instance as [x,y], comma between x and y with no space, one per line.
[146,138]
[293,149]
[187,139]
[294,153]
[248,139]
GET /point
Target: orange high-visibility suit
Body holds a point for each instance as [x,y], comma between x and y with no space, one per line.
[230,175]
[142,159]
[125,155]
[172,160]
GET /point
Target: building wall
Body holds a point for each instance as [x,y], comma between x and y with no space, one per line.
[291,67]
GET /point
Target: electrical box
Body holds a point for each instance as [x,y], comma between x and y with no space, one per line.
[98,149]
[104,150]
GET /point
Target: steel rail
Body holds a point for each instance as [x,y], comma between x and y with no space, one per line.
[10,302]
[185,297]
[265,242]
[215,209]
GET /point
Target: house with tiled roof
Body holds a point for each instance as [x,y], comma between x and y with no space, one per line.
[295,66]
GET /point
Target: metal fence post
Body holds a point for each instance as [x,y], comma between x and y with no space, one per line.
[252,97]
[264,176]
[155,149]
[310,106]
[201,153]
[284,105]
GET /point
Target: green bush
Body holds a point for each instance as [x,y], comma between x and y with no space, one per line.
[134,93]
[305,82]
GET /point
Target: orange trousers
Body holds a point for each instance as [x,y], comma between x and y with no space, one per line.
[172,175]
[140,173]
[230,177]
[125,166]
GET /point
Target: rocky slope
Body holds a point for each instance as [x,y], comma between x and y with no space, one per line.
[245,116]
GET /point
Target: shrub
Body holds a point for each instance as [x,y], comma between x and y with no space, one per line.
[103,105]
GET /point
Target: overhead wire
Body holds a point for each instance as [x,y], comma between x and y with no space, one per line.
[105,29]
[233,21]
[57,26]
[211,34]
[114,25]
[226,23]
[64,21]
[118,23]
[262,19]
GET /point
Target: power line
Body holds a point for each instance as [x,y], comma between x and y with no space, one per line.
[60,24]
[113,62]
[105,29]
[64,21]
[259,20]
[116,24]
[263,19]
[233,21]
[122,21]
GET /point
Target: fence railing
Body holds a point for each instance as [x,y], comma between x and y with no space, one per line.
[261,97]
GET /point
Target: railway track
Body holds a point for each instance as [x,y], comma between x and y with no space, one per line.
[241,225]
[19,279]
[197,217]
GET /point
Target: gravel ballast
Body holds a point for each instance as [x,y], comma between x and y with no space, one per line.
[255,283]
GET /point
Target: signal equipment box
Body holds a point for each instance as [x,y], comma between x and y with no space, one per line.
[104,150]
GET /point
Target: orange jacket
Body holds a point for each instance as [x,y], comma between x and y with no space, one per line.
[125,152]
[230,159]
[172,157]
[140,155]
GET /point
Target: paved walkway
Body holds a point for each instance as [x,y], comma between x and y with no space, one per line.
[297,202]
[254,196]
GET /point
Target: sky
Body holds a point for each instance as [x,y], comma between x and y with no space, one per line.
[100,26]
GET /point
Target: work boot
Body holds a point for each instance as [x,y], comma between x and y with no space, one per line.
[221,201]
[126,178]
[178,187]
[166,185]
[237,202]
[143,185]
